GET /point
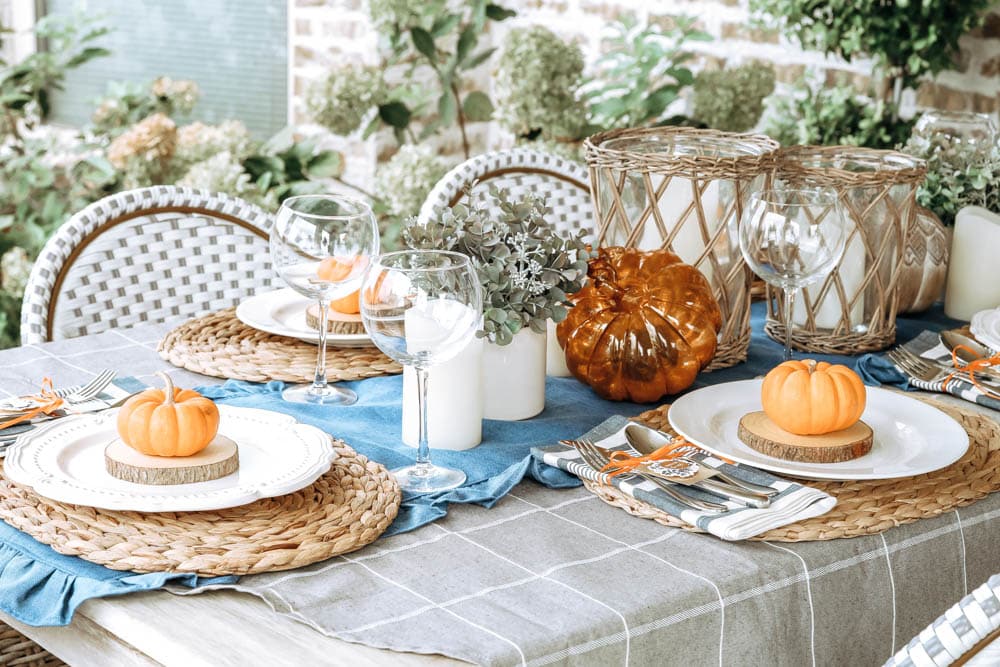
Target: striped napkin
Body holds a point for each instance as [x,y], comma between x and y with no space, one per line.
[118,389]
[877,369]
[794,502]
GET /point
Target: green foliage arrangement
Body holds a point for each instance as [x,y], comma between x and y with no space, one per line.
[732,99]
[439,39]
[641,72]
[907,38]
[527,272]
[537,82]
[957,176]
[127,103]
[346,97]
[835,116]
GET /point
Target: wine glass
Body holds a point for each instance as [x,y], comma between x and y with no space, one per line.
[422,307]
[792,238]
[321,246]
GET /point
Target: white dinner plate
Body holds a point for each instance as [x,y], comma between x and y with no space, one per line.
[64,461]
[985,327]
[283,313]
[911,437]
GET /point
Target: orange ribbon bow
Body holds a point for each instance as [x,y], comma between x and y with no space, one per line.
[622,462]
[972,368]
[48,403]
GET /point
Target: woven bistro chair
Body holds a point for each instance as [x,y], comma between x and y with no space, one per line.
[564,184]
[967,634]
[145,256]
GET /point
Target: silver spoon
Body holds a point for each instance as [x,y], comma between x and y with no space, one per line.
[953,339]
[641,439]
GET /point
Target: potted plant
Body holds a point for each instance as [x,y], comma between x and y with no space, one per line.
[527,274]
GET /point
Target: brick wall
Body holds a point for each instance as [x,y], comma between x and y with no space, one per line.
[328,31]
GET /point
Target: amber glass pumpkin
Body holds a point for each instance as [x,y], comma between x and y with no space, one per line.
[812,398]
[642,327]
[168,422]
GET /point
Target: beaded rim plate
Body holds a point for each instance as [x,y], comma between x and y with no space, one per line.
[283,313]
[911,437]
[64,461]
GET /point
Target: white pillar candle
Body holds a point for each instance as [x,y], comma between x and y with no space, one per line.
[454,387]
[514,377]
[689,243]
[852,274]
[555,358]
[973,276]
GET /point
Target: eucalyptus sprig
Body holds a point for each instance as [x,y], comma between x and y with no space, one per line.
[526,270]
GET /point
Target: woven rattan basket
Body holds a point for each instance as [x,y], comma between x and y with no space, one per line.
[684,190]
[854,309]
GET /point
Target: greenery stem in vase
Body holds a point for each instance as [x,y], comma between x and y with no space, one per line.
[527,271]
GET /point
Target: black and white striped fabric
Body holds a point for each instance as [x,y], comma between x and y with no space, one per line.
[974,618]
[794,501]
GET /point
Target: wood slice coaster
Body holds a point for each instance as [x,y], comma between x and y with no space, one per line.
[219,459]
[760,433]
[345,509]
[864,507]
[220,345]
[342,323]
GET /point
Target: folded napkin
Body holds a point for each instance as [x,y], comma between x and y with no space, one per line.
[794,502]
[117,390]
[876,369]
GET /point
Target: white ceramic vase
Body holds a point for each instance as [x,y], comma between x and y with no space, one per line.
[514,377]
[454,401]
[973,283]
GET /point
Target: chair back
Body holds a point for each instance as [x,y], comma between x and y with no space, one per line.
[564,185]
[967,634]
[146,255]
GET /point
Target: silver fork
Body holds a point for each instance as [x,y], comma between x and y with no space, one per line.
[89,390]
[596,459]
[930,371]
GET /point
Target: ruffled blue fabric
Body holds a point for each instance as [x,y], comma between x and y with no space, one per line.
[41,587]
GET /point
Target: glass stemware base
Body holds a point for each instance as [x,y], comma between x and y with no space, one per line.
[315,395]
[426,478]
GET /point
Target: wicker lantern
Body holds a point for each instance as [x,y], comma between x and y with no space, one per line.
[853,309]
[684,190]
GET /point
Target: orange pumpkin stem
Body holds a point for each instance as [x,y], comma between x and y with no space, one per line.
[811,365]
[169,389]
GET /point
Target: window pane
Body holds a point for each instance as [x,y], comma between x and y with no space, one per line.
[235,50]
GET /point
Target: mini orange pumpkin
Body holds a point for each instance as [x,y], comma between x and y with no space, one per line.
[348,305]
[642,327]
[169,421]
[812,398]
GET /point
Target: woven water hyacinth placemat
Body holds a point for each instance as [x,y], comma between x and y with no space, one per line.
[345,509]
[221,346]
[865,507]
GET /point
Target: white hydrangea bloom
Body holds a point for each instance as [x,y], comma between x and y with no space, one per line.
[405,180]
[15,267]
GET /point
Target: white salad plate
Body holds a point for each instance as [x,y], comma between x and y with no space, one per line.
[985,327]
[283,313]
[64,461]
[911,437]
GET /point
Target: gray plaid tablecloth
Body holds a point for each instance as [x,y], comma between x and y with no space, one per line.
[559,577]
